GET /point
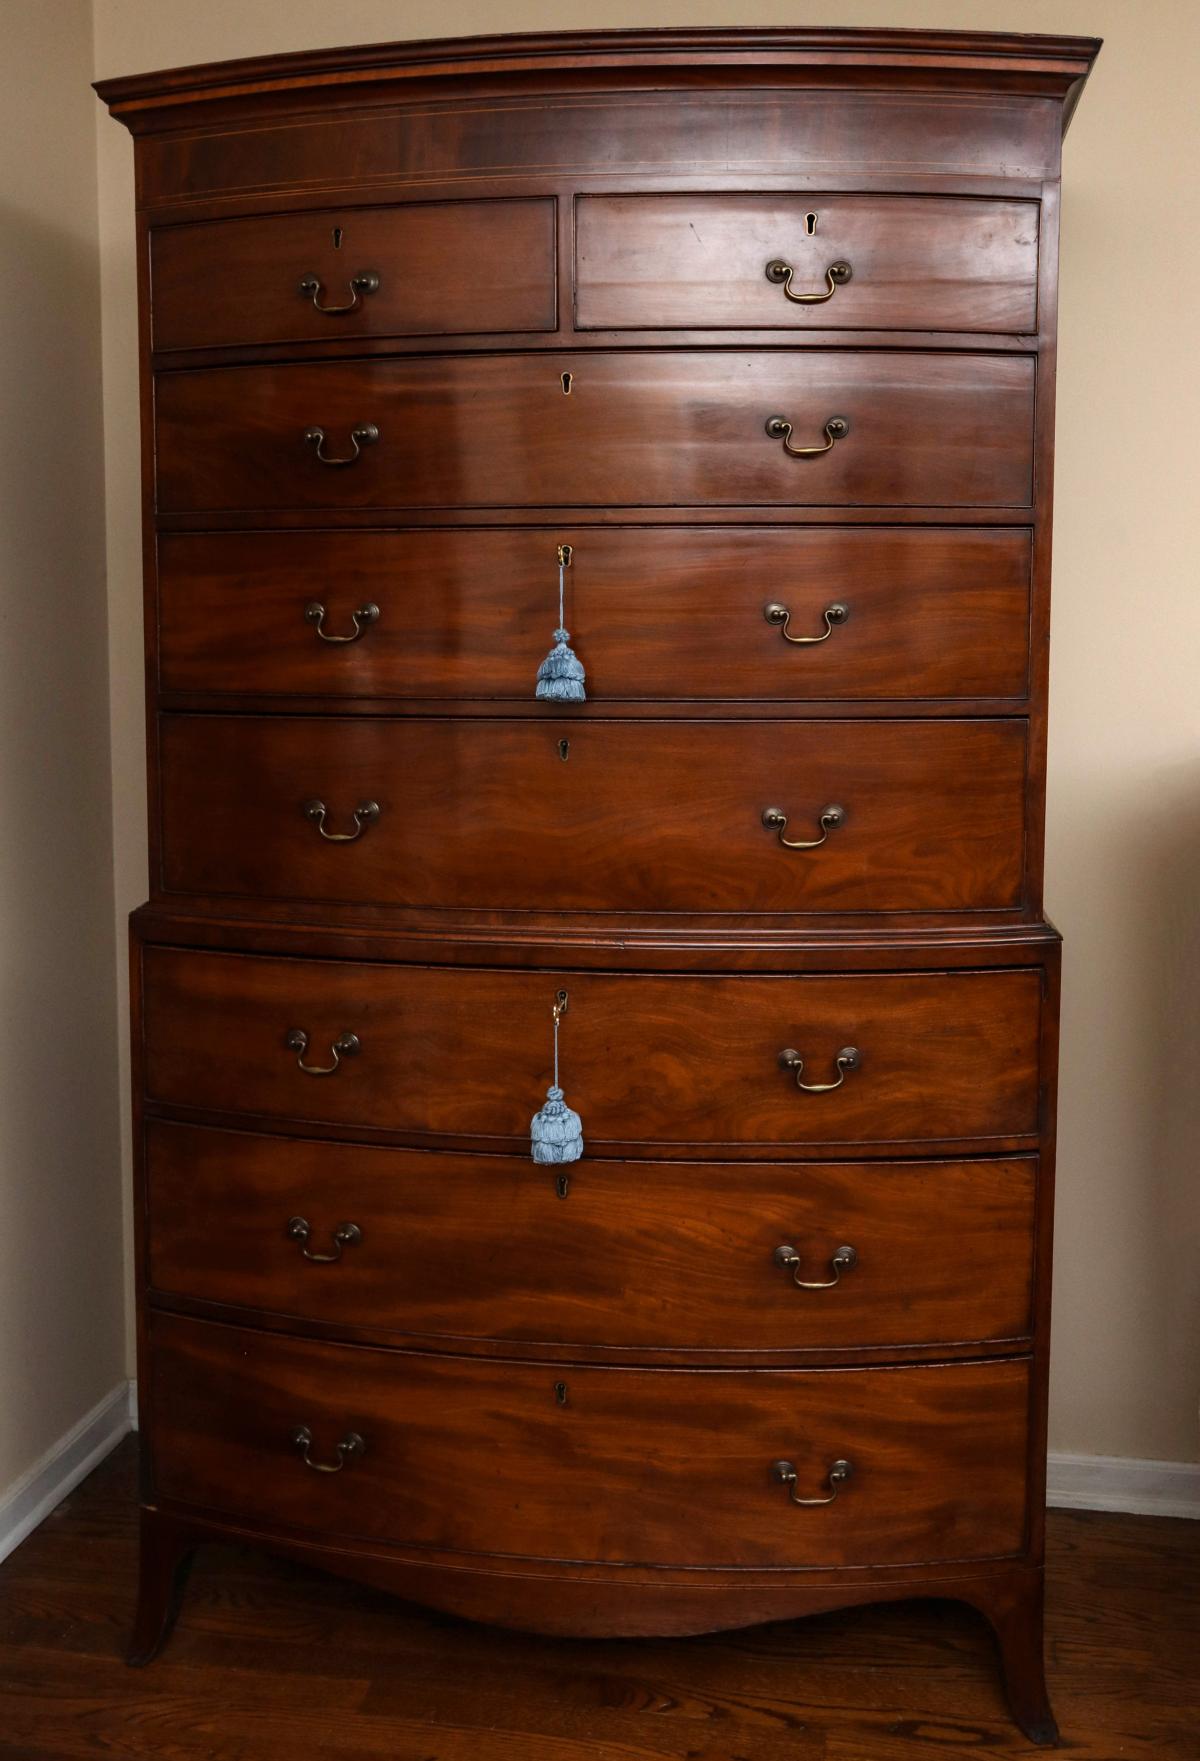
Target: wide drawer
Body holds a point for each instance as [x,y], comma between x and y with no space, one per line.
[646,1059]
[621,1466]
[706,261]
[429,268]
[672,1255]
[566,815]
[683,429]
[662,613]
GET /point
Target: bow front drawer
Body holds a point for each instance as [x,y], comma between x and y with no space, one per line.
[464,1052]
[672,1467]
[831,262]
[713,1257]
[422,269]
[598,815]
[822,427]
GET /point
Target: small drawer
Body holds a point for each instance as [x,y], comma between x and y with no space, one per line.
[711,1257]
[421,269]
[825,262]
[647,1059]
[615,1466]
[568,815]
[670,614]
[676,429]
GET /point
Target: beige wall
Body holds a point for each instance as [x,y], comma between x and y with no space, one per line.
[61,1336]
[1124,842]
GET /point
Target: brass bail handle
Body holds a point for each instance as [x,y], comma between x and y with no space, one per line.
[364,283]
[848,1059]
[362,434]
[314,613]
[350,1446]
[829,819]
[781,273]
[779,428]
[346,1045]
[365,814]
[839,1473]
[345,1235]
[780,616]
[844,1260]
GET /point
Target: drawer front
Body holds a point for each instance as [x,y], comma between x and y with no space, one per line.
[566,815]
[655,1255]
[646,1059]
[666,1466]
[676,429]
[701,261]
[430,268]
[666,614]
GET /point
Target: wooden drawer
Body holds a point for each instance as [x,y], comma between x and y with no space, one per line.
[650,1466]
[669,614]
[646,1059]
[564,815]
[671,262]
[680,429]
[439,269]
[670,1255]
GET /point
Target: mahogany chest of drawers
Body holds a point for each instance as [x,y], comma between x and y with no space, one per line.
[746,340]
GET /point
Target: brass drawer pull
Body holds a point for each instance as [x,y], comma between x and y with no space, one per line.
[365,814]
[314,612]
[844,1260]
[849,1058]
[829,819]
[350,1446]
[345,1235]
[839,1473]
[781,273]
[779,428]
[364,283]
[362,434]
[780,616]
[344,1046]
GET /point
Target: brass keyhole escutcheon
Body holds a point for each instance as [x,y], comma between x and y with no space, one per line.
[564,750]
[568,380]
[560,1393]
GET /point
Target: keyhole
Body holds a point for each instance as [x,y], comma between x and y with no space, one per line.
[560,1393]
[564,750]
[562,1184]
[810,224]
[337,238]
[567,381]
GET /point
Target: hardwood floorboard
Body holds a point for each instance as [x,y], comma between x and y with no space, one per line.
[271,1660]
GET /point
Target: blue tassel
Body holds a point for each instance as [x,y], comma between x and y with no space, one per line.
[556,1132]
[560,677]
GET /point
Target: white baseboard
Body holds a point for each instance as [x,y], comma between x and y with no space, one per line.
[62,1467]
[1118,1482]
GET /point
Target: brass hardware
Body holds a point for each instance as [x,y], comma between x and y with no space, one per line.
[839,1473]
[344,1046]
[829,819]
[345,1235]
[562,1184]
[780,616]
[565,553]
[314,611]
[564,750]
[810,223]
[365,814]
[848,1059]
[562,1003]
[350,1446]
[837,275]
[337,235]
[364,283]
[779,428]
[560,1393]
[568,380]
[362,434]
[844,1260]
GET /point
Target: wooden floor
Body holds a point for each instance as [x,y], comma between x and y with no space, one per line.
[273,1662]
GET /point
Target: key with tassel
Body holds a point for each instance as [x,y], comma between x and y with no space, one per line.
[556,1132]
[560,678]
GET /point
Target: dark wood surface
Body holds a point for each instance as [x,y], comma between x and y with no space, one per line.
[644,1059]
[673,429]
[272,1659]
[635,1255]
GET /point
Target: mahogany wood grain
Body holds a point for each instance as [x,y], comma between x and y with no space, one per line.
[668,615]
[603,1472]
[604,816]
[697,260]
[645,1059]
[444,268]
[634,430]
